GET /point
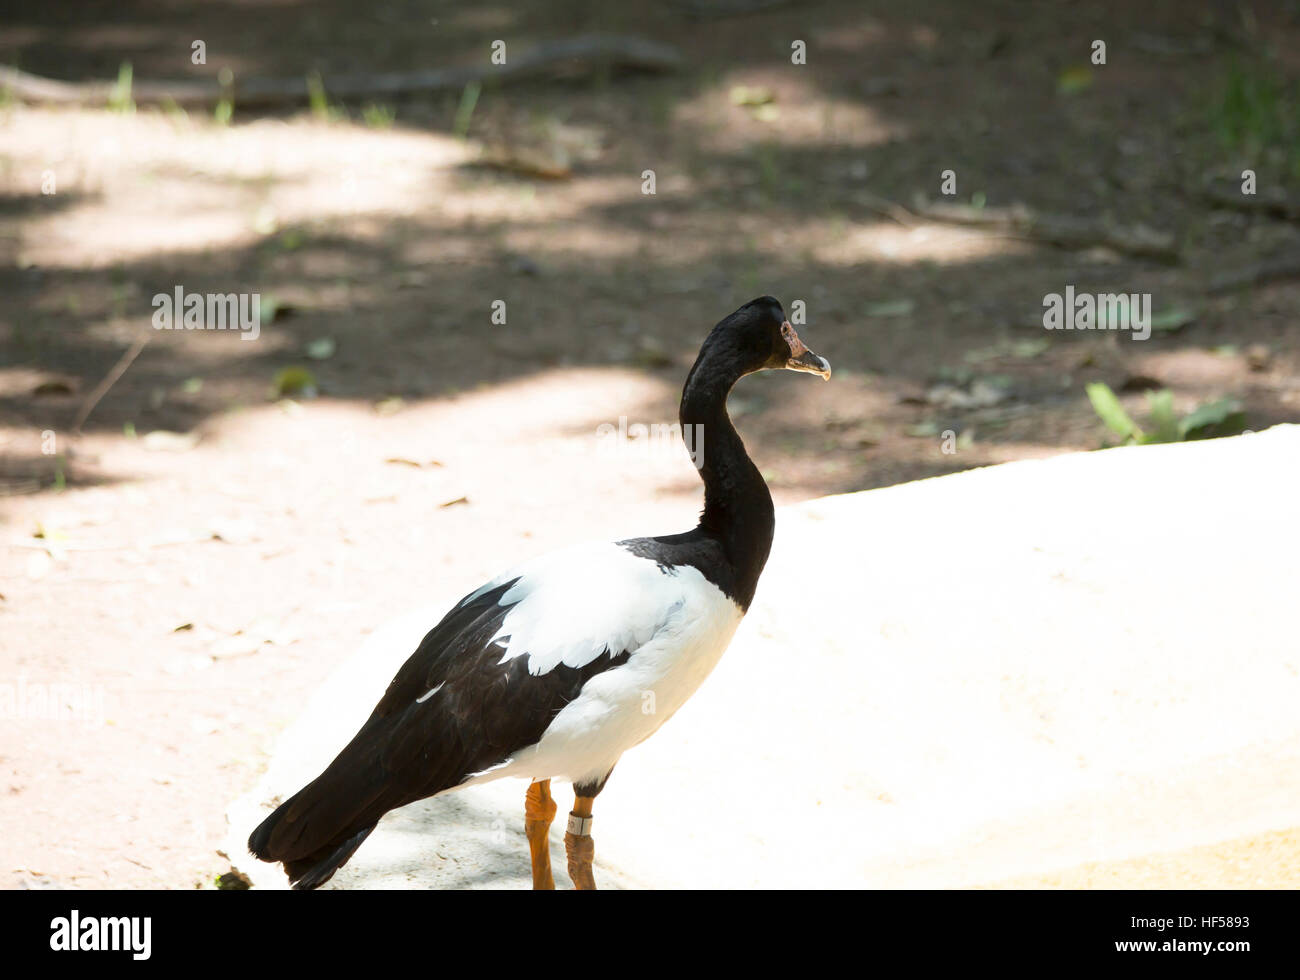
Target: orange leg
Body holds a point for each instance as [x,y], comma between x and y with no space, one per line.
[578,845]
[539,811]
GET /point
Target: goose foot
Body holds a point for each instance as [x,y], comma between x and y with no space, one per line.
[578,845]
[539,811]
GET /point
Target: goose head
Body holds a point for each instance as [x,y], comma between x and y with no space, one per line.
[758,337]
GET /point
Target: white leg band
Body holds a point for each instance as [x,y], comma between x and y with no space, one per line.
[579,826]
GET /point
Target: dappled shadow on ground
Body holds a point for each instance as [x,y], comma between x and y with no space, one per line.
[593,272]
[453,842]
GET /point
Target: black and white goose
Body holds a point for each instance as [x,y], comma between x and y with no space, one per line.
[542,672]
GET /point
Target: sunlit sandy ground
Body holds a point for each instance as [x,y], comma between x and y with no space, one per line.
[916,701]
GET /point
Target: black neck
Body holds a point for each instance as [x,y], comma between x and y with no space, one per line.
[737,505]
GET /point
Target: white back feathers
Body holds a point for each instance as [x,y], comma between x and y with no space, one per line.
[577,604]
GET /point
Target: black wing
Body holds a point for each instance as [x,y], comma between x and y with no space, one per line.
[410,749]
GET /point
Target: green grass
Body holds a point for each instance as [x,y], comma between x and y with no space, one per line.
[465,110]
[378,116]
[321,107]
[119,99]
[225,107]
[1257,110]
[1209,421]
[769,169]
[7,95]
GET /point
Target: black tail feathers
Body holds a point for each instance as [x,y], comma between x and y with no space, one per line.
[310,870]
[317,868]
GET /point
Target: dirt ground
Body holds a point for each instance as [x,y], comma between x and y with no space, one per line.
[194,561]
[1262,861]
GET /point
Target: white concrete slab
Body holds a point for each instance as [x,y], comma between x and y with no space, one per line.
[1003,671]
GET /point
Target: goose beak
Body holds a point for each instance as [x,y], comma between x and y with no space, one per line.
[801,358]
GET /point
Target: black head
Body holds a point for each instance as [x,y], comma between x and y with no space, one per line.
[760,337]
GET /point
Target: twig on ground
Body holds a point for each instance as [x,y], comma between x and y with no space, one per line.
[1275,203]
[1272,269]
[887,208]
[1054,229]
[110,379]
[13,488]
[549,57]
[713,9]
